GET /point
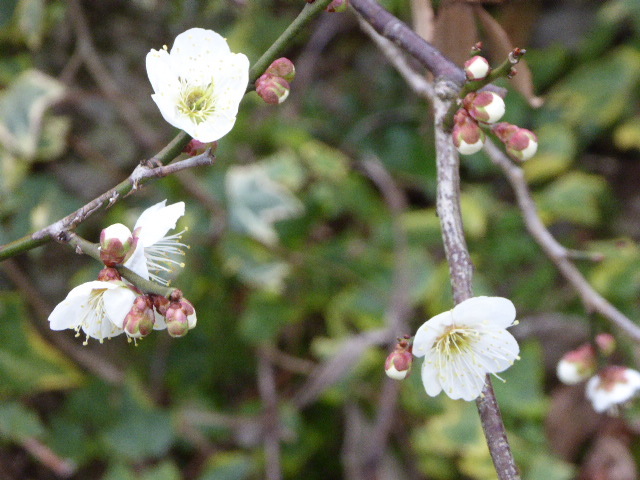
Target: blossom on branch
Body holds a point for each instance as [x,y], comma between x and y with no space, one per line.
[97,308]
[154,251]
[461,346]
[198,85]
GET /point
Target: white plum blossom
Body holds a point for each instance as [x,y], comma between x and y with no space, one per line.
[154,251]
[461,346]
[612,386]
[198,85]
[97,308]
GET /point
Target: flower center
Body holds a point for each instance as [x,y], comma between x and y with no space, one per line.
[197,102]
[456,340]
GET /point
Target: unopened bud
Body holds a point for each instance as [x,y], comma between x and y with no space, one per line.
[115,243]
[467,135]
[160,303]
[398,363]
[140,319]
[272,89]
[338,6]
[282,67]
[485,107]
[577,365]
[520,143]
[180,317]
[109,274]
[606,343]
[476,68]
[196,147]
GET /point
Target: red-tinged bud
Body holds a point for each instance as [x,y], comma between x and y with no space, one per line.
[272,89]
[467,135]
[177,321]
[476,68]
[577,365]
[282,67]
[196,147]
[338,6]
[109,274]
[398,363]
[606,343]
[115,243]
[520,143]
[160,303]
[140,319]
[487,107]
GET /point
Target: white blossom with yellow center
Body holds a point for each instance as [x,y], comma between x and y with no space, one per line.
[461,346]
[198,85]
[97,308]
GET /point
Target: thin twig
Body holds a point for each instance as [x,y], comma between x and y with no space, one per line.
[269,397]
[62,467]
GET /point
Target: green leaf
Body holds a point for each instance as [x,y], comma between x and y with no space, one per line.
[7,11]
[22,109]
[257,202]
[229,466]
[556,149]
[575,197]
[264,316]
[598,93]
[627,135]
[27,363]
[30,21]
[18,423]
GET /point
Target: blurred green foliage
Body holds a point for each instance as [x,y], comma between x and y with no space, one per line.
[294,249]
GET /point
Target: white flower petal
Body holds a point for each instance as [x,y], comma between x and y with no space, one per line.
[137,263]
[197,48]
[162,76]
[69,312]
[496,350]
[160,323]
[156,221]
[429,331]
[118,303]
[496,311]
[430,379]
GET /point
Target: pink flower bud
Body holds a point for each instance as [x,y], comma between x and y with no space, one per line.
[577,365]
[520,143]
[282,67]
[196,147]
[338,6]
[611,387]
[115,243]
[181,317]
[485,107]
[272,89]
[468,137]
[140,319]
[476,68]
[160,303]
[109,274]
[606,343]
[398,363]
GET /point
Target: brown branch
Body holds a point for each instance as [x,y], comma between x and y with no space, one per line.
[271,430]
[559,255]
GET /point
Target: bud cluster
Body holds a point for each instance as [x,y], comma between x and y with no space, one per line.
[273,86]
[484,109]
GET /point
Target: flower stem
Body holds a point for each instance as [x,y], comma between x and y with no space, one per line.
[309,11]
[461,269]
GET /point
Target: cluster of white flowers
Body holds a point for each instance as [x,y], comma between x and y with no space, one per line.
[100,308]
[461,346]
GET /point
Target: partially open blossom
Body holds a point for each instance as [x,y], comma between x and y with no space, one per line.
[611,387]
[282,67]
[577,365]
[461,346]
[154,251]
[140,320]
[199,84]
[468,138]
[97,308]
[487,107]
[520,143]
[115,244]
[398,363]
[476,68]
[272,89]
